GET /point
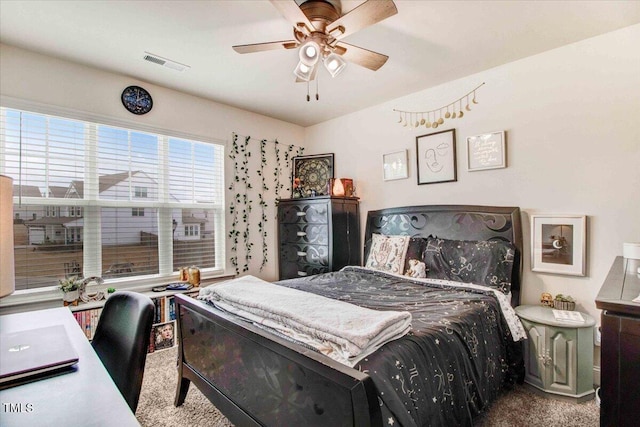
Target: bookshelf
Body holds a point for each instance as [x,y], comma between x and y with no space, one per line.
[163,330]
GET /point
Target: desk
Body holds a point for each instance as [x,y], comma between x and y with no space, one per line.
[85,397]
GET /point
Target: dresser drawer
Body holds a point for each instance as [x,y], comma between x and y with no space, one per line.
[304,233]
[304,213]
[291,270]
[305,254]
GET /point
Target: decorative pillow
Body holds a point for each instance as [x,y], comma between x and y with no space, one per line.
[488,262]
[388,253]
[415,250]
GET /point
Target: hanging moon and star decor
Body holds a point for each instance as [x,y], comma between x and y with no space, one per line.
[434,118]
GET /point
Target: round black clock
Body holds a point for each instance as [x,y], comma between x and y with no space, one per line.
[137,100]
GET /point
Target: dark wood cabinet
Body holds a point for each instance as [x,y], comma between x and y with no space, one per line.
[317,235]
[620,345]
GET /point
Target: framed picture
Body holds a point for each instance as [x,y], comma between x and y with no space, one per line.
[436,157]
[394,165]
[311,174]
[163,335]
[558,244]
[486,151]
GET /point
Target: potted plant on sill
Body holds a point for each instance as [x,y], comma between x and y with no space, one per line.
[69,288]
[110,292]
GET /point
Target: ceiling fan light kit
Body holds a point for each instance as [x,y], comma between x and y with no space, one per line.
[334,64]
[309,53]
[303,71]
[318,29]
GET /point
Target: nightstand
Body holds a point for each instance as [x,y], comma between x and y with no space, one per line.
[558,355]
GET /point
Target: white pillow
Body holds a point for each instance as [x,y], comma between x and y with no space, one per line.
[387,253]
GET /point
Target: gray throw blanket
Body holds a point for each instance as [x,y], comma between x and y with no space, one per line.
[345,332]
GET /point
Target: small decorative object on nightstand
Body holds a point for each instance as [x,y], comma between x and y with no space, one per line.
[558,354]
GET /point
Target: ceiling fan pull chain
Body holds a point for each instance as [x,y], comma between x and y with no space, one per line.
[317,83]
[308,97]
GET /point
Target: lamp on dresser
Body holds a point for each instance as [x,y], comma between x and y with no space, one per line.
[7,272]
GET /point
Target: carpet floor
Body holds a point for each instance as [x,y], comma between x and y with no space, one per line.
[517,408]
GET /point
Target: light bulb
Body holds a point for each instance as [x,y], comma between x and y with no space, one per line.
[311,51]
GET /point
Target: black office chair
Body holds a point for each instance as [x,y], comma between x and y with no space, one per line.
[122,339]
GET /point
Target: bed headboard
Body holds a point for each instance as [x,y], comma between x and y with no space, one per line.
[456,222]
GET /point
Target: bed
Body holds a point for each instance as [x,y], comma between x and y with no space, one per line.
[460,354]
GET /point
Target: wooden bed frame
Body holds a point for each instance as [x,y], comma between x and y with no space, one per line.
[255,378]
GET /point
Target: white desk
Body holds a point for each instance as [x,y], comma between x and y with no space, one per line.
[86,396]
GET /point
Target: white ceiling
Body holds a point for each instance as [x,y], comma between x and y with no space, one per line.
[428,42]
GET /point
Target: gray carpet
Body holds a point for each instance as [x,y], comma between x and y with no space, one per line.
[518,407]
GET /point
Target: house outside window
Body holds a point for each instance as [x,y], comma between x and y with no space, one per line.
[97,197]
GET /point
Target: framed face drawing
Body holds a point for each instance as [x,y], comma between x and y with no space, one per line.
[436,156]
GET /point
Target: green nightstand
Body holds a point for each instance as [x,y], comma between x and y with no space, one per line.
[558,355]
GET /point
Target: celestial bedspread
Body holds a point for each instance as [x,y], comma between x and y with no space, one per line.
[450,367]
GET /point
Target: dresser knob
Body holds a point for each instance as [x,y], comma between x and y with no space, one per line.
[301,233]
[302,273]
[300,253]
[301,213]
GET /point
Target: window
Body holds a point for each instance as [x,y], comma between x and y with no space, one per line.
[141,192]
[191,230]
[99,200]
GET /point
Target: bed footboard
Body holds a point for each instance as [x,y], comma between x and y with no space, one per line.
[256,378]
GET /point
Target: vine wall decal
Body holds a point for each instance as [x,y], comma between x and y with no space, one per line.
[246,175]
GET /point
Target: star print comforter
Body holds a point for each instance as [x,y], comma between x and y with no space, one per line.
[459,355]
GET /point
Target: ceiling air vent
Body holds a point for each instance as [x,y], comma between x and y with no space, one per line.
[156,59]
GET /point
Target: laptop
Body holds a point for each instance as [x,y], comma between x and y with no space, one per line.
[30,354]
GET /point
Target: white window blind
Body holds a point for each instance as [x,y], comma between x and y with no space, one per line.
[98,200]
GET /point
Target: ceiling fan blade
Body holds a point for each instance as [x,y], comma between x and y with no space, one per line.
[260,47]
[368,13]
[292,13]
[363,57]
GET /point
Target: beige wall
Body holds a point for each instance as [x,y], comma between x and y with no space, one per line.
[571,117]
[573,136]
[95,94]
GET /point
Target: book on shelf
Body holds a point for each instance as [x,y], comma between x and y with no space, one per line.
[568,316]
[88,321]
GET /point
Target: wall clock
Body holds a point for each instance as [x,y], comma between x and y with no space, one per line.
[137,100]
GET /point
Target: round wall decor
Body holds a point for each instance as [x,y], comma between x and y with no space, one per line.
[137,100]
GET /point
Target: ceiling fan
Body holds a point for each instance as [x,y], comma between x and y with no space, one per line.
[318,29]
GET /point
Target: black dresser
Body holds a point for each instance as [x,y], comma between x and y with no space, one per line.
[620,345]
[317,235]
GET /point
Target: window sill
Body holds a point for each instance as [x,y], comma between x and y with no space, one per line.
[51,297]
